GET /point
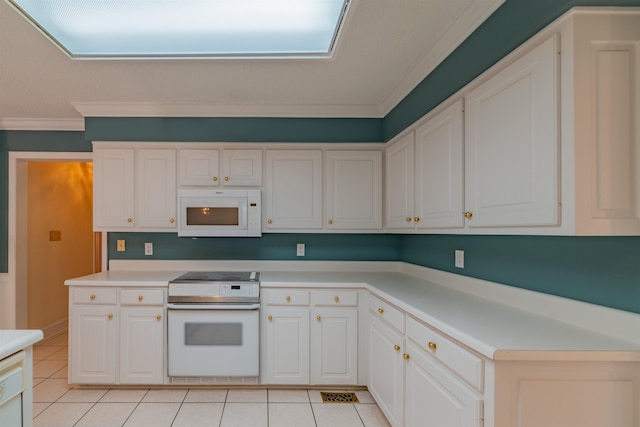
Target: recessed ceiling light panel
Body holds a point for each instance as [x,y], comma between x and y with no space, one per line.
[94,29]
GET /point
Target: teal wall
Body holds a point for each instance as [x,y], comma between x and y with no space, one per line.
[272,246]
[601,270]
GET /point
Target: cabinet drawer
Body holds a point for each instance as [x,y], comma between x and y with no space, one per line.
[142,296]
[463,363]
[93,296]
[287,297]
[335,297]
[386,312]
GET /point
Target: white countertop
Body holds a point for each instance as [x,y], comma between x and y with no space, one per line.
[480,318]
[13,340]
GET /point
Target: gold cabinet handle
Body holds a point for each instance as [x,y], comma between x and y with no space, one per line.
[432,345]
[140,298]
[468,215]
[269,221]
[172,220]
[226,178]
[318,318]
[416,219]
[215,178]
[287,298]
[406,356]
[110,316]
[330,221]
[270,318]
[408,219]
[92,297]
[396,347]
[337,299]
[158,317]
[380,311]
[129,220]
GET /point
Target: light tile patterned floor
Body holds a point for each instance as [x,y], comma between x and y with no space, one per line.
[57,404]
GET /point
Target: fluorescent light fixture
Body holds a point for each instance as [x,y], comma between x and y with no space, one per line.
[115,29]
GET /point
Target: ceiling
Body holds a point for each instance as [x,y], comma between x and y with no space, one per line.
[386,48]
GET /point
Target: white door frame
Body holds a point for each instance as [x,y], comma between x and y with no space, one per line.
[8,306]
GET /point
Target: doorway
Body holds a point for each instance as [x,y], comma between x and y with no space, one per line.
[50,235]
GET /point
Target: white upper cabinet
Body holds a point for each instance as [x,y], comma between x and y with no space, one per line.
[511,144]
[134,189]
[113,178]
[399,177]
[353,182]
[242,168]
[439,170]
[156,185]
[294,189]
[203,168]
[199,167]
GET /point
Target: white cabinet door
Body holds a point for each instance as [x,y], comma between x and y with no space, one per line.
[399,198]
[511,146]
[199,167]
[439,196]
[93,345]
[242,168]
[156,184]
[113,180]
[287,346]
[353,182]
[433,398]
[142,345]
[334,346]
[386,369]
[294,189]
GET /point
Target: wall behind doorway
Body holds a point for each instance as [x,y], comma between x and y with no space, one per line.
[60,199]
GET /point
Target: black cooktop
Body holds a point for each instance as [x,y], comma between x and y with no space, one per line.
[219,276]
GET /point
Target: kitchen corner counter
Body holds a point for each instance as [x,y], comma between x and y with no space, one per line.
[14,340]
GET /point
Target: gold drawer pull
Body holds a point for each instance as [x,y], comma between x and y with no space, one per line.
[269,221]
[408,219]
[129,220]
[468,215]
[288,298]
[92,297]
[406,356]
[330,221]
[416,219]
[318,318]
[140,298]
[270,318]
[432,345]
[158,317]
[215,178]
[396,347]
[337,299]
[110,316]
[380,311]
[172,220]
[226,178]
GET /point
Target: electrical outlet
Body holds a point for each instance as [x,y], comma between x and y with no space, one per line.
[300,249]
[459,259]
[55,235]
[148,248]
[120,246]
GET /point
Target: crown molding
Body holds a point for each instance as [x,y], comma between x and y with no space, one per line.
[457,31]
[177,109]
[42,124]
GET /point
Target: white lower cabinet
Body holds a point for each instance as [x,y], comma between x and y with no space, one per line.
[116,336]
[412,387]
[310,336]
[287,346]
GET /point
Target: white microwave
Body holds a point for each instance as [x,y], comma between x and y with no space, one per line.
[219,213]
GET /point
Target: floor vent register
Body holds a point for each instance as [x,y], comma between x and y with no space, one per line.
[332,397]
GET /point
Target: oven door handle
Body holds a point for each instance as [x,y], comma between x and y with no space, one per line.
[255,306]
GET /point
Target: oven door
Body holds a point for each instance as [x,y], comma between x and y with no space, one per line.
[213,342]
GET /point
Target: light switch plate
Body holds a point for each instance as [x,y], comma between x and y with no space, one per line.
[300,249]
[148,248]
[459,259]
[120,246]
